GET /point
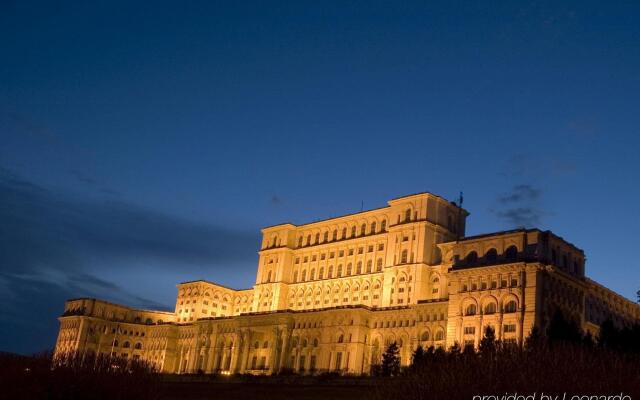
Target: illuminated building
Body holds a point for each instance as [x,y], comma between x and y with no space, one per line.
[331,294]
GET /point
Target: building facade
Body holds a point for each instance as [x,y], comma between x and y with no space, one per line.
[332,294]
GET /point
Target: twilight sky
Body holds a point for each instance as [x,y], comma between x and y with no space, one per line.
[146,144]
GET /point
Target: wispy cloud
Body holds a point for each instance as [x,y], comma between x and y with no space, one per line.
[520,206]
[57,244]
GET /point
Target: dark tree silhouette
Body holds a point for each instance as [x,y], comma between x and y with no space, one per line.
[391,361]
[562,330]
[418,357]
[488,342]
[534,340]
[455,349]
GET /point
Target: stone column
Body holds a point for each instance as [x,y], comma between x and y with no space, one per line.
[247,349]
[285,347]
[274,349]
[235,351]
[212,353]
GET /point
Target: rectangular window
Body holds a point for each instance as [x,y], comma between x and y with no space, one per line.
[469,330]
[370,249]
[514,282]
[510,328]
[381,247]
[338,361]
[341,253]
[350,252]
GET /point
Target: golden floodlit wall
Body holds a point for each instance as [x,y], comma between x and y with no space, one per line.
[332,294]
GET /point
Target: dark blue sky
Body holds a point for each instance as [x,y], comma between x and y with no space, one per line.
[146,144]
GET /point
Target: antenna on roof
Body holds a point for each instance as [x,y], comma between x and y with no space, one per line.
[458,222]
[362,206]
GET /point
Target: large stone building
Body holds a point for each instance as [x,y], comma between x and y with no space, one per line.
[331,294]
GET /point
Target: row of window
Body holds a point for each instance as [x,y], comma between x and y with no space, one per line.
[491,308]
[506,328]
[339,271]
[491,285]
[127,345]
[491,256]
[334,236]
[341,253]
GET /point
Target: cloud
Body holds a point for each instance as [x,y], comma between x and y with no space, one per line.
[519,208]
[55,245]
[520,217]
[520,193]
[275,200]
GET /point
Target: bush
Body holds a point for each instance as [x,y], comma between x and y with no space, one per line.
[76,376]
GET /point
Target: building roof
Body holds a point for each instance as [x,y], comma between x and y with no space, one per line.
[366,211]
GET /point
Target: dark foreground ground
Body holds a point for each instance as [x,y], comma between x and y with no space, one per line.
[561,370]
[265,390]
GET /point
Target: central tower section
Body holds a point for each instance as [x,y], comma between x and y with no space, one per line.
[377,258]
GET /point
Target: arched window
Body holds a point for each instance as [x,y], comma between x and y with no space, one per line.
[363,229]
[403,257]
[373,227]
[317,237]
[330,274]
[126,345]
[295,276]
[510,307]
[341,338]
[304,275]
[300,241]
[312,276]
[472,257]
[339,270]
[269,277]
[321,274]
[383,226]
[491,256]
[490,308]
[379,265]
[511,253]
[359,268]
[407,215]
[335,235]
[470,310]
[344,233]
[275,241]
[326,236]
[138,346]
[425,336]
[440,335]
[353,231]
[265,345]
[349,269]
[369,265]
[315,342]
[115,343]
